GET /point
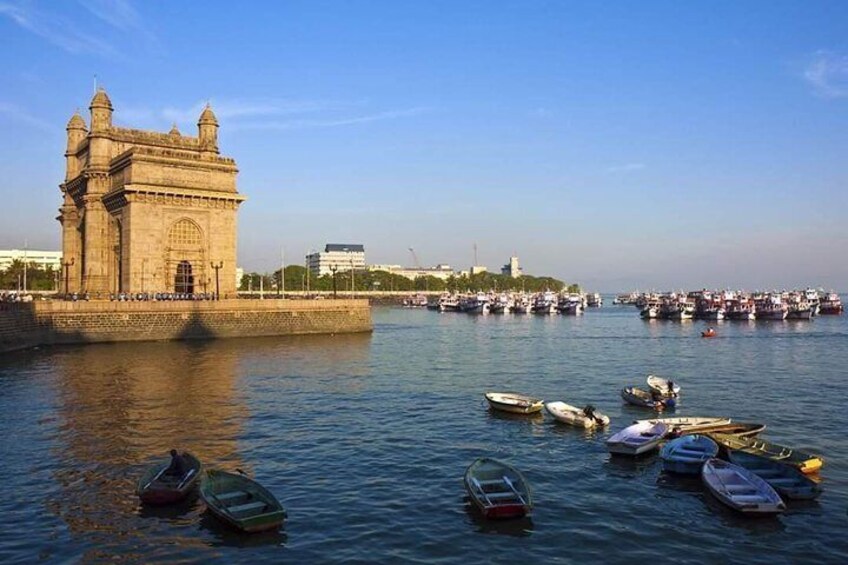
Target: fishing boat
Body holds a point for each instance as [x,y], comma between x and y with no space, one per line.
[788,481]
[740,489]
[685,455]
[514,402]
[639,397]
[688,425]
[637,439]
[586,417]
[831,304]
[801,460]
[241,502]
[497,489]
[666,387]
[157,486]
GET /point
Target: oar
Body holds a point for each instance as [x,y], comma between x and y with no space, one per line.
[187,477]
[518,494]
[155,478]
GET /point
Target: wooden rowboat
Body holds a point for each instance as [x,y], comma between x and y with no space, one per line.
[788,481]
[156,486]
[661,385]
[688,424]
[740,489]
[241,502]
[498,489]
[581,417]
[801,460]
[514,402]
[739,429]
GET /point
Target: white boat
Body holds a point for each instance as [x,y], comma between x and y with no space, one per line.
[514,402]
[637,439]
[685,455]
[586,417]
[740,489]
[667,387]
[649,312]
[523,305]
[545,303]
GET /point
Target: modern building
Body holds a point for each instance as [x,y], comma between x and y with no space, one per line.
[512,269]
[338,257]
[42,259]
[443,272]
[478,269]
[145,211]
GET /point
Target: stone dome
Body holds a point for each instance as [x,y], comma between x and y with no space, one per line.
[207,116]
[76,121]
[101,100]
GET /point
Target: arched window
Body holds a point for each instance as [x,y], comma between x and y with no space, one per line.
[185,235]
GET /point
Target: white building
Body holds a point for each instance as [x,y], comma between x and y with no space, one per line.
[41,258]
[338,256]
[512,269]
[239,276]
[443,272]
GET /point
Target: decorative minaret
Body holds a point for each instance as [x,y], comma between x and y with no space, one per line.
[95,268]
[68,214]
[207,132]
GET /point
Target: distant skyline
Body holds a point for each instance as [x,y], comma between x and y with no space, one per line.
[655,145]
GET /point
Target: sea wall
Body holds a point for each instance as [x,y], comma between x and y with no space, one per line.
[58,322]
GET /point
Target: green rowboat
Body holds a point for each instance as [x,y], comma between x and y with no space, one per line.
[241,502]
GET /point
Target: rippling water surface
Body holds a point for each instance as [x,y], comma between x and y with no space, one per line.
[364,439]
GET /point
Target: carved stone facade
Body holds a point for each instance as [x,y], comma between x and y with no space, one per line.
[146,211]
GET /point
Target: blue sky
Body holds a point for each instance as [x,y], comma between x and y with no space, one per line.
[620,145]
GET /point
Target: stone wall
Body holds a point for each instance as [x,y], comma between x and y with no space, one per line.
[47,323]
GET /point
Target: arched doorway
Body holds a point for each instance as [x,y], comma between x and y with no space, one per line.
[184,279]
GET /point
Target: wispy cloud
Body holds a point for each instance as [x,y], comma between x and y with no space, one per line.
[331,123]
[263,114]
[827,73]
[54,28]
[116,19]
[19,115]
[626,168]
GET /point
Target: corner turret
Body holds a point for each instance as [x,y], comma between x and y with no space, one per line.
[207,128]
[76,134]
[101,111]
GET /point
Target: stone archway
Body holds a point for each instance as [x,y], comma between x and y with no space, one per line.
[185,256]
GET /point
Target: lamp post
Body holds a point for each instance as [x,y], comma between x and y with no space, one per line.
[333,269]
[217,267]
[66,266]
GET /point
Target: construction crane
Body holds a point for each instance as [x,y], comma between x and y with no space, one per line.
[415,258]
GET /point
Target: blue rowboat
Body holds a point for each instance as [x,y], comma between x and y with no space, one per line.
[686,455]
[788,481]
[740,489]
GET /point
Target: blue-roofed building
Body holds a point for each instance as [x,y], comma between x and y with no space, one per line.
[338,256]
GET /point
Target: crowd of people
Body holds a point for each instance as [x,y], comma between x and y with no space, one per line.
[160,296]
[15,297]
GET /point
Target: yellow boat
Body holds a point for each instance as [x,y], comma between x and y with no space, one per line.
[801,460]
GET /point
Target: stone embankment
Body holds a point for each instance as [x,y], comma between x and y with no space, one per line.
[25,325]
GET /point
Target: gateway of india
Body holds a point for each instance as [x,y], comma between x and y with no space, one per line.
[145,211]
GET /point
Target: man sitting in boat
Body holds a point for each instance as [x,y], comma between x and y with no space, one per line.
[670,385]
[178,466]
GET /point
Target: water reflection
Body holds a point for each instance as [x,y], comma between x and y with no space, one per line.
[515,527]
[755,525]
[628,467]
[222,535]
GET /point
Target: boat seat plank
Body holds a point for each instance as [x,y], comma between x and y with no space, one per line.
[231,496]
[501,495]
[491,482]
[247,508]
[749,498]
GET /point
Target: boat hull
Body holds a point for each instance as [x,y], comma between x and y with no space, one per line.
[686,455]
[637,439]
[740,489]
[786,480]
[514,403]
[151,490]
[241,502]
[497,489]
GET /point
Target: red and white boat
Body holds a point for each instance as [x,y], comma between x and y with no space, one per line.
[831,304]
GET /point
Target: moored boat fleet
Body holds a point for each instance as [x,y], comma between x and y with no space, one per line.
[547,302]
[736,305]
[740,469]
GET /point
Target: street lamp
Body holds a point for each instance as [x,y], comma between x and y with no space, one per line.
[217,267]
[333,269]
[66,266]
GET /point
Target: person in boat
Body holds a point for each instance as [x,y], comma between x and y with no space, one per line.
[589,411]
[179,466]
[670,385]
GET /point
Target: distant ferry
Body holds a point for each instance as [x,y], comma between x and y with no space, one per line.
[830,304]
